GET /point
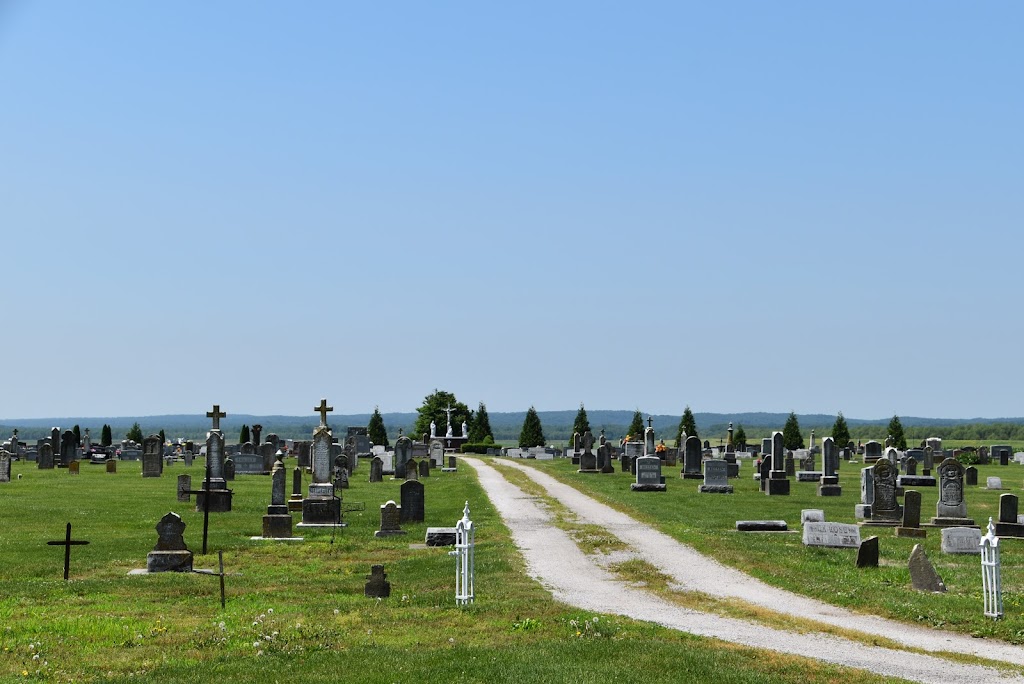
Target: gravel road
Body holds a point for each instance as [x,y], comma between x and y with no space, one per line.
[574,578]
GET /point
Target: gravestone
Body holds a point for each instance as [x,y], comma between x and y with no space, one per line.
[436,453]
[247,461]
[910,465]
[867,553]
[911,526]
[961,540]
[648,475]
[994,483]
[452,464]
[341,471]
[267,450]
[44,460]
[170,553]
[295,500]
[716,474]
[922,573]
[1008,525]
[378,585]
[255,432]
[604,458]
[376,469]
[403,454]
[413,508]
[588,460]
[68,448]
[831,534]
[872,451]
[229,469]
[764,472]
[412,469]
[321,507]
[424,468]
[761,526]
[778,483]
[73,468]
[111,466]
[885,509]
[692,458]
[277,523]
[928,461]
[184,487]
[220,495]
[152,461]
[302,452]
[5,466]
[951,509]
[971,476]
[789,464]
[189,457]
[828,483]
[811,515]
[390,519]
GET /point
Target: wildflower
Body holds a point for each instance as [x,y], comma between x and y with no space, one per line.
[595,620]
[451,640]
[255,644]
[221,625]
[336,611]
[270,611]
[35,657]
[369,632]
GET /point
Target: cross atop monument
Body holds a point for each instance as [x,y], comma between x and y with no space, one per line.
[650,421]
[323,409]
[448,411]
[216,414]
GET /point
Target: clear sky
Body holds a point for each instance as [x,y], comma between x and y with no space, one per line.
[740,206]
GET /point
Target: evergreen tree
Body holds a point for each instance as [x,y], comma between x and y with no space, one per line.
[840,432]
[433,410]
[135,434]
[896,431]
[375,429]
[163,437]
[106,438]
[791,437]
[244,436]
[636,428]
[739,438]
[581,424]
[77,432]
[687,426]
[480,430]
[532,433]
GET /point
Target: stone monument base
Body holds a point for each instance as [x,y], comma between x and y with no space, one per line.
[295,504]
[777,484]
[321,512]
[220,501]
[647,487]
[440,536]
[715,489]
[862,511]
[277,525]
[589,470]
[951,522]
[809,475]
[388,533]
[915,532]
[691,476]
[169,561]
[915,481]
[828,485]
[875,521]
[1009,529]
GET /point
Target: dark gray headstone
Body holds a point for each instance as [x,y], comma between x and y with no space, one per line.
[376,469]
[5,466]
[184,487]
[44,461]
[912,508]
[761,526]
[1008,508]
[390,520]
[413,501]
[867,554]
[424,468]
[377,585]
[971,476]
[170,552]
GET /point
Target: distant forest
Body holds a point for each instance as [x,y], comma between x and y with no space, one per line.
[557,426]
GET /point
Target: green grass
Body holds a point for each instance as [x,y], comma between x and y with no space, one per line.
[296,611]
[707,523]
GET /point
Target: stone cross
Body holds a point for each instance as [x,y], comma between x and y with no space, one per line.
[323,409]
[67,543]
[216,414]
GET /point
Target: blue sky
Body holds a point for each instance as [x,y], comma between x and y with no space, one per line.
[733,206]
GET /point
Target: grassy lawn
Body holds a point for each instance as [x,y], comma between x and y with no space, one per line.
[707,522]
[296,611]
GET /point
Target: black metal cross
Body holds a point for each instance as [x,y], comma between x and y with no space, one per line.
[650,421]
[205,491]
[67,543]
